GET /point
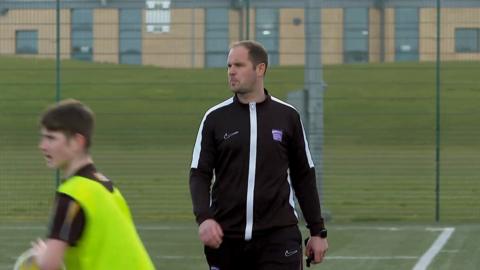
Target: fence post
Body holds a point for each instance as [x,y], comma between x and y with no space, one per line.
[57,70]
[437,119]
[314,86]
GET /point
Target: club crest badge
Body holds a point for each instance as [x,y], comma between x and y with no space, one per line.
[277,135]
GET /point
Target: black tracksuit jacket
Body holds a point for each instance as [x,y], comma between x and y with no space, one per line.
[256,155]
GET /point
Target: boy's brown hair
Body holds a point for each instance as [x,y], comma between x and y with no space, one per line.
[70,117]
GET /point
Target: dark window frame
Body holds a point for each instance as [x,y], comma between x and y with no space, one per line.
[404,27]
[130,36]
[19,41]
[354,31]
[476,39]
[217,37]
[82,34]
[269,41]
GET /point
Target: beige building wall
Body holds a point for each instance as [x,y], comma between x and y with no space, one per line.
[374,41]
[182,47]
[237,27]
[234,27]
[427,34]
[389,35]
[199,35]
[292,37]
[106,35]
[41,20]
[332,36]
[252,24]
[454,18]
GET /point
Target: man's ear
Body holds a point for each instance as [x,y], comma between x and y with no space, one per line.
[261,69]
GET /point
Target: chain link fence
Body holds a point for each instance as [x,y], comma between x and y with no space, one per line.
[399,121]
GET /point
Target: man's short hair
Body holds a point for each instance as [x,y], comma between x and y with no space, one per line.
[70,117]
[256,52]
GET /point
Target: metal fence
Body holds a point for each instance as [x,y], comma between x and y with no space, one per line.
[389,91]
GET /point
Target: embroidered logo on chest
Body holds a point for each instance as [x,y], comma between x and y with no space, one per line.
[277,135]
[229,135]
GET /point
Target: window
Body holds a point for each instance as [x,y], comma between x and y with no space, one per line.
[467,40]
[130,36]
[26,42]
[406,34]
[266,32]
[82,34]
[216,37]
[157,16]
[355,35]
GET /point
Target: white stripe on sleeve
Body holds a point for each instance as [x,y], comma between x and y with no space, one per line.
[198,142]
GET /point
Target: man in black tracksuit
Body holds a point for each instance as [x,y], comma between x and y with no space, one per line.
[254,148]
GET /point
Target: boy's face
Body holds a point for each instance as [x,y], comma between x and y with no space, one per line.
[57,149]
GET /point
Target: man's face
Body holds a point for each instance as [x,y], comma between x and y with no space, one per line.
[242,76]
[57,149]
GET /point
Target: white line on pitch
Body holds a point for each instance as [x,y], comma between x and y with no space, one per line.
[373,228]
[436,247]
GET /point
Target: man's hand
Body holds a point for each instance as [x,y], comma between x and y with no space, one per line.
[316,247]
[210,233]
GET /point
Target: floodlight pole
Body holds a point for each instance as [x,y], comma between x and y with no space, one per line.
[193,44]
[57,71]
[57,58]
[247,19]
[380,5]
[437,119]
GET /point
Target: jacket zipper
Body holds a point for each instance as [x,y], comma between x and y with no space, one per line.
[251,170]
